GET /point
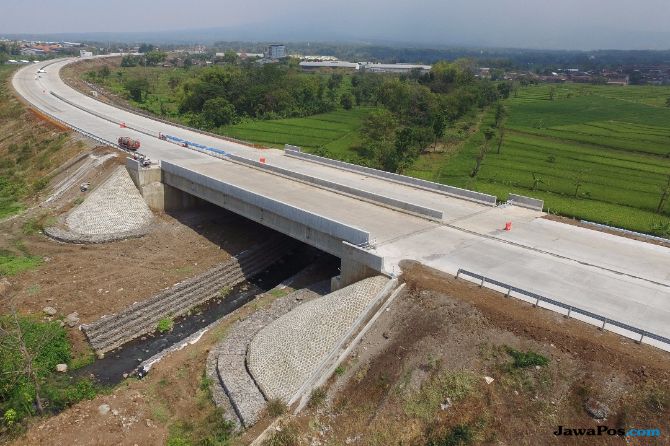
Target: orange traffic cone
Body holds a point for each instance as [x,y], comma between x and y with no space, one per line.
[508,226]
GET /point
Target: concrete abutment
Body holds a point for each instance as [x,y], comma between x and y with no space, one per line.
[168,187]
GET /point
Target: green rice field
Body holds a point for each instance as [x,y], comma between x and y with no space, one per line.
[613,140]
[336,131]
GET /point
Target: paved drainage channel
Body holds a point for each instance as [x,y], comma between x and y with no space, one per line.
[125,359]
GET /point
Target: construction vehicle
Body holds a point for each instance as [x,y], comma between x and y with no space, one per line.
[128,143]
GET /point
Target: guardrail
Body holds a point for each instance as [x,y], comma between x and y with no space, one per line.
[102,141]
[162,120]
[571,309]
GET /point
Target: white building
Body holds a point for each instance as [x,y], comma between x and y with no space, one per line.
[328,65]
[394,68]
[84,54]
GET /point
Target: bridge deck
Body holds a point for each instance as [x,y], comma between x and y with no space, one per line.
[610,275]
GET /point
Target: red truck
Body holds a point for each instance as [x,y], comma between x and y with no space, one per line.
[128,143]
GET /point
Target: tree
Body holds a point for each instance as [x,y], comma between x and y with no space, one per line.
[145,48]
[536,181]
[347,101]
[29,352]
[378,135]
[104,72]
[218,111]
[665,194]
[137,88]
[129,61]
[501,136]
[635,78]
[500,114]
[483,150]
[230,57]
[578,180]
[334,81]
[439,125]
[154,58]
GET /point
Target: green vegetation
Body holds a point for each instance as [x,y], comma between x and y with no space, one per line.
[334,132]
[209,429]
[27,152]
[435,390]
[276,407]
[595,152]
[460,435]
[317,398]
[164,325]
[277,292]
[598,153]
[11,264]
[526,359]
[287,436]
[29,383]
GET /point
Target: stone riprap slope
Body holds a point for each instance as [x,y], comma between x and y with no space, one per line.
[233,389]
[286,354]
[110,332]
[113,211]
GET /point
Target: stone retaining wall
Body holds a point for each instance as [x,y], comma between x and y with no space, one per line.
[233,388]
[284,356]
[112,331]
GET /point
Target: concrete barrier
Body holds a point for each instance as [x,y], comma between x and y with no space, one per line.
[525,202]
[464,194]
[365,195]
[289,212]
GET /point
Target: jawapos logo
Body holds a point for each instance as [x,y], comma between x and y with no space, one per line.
[604,430]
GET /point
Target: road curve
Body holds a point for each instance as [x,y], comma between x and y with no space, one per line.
[622,279]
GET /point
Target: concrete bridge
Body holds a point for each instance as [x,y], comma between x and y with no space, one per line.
[373,220]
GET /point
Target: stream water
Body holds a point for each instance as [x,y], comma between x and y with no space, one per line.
[125,359]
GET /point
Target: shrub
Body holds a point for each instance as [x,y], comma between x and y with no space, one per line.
[287,436]
[317,398]
[460,435]
[164,325]
[526,359]
[46,344]
[276,407]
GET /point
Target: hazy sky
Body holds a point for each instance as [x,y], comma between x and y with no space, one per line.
[571,24]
